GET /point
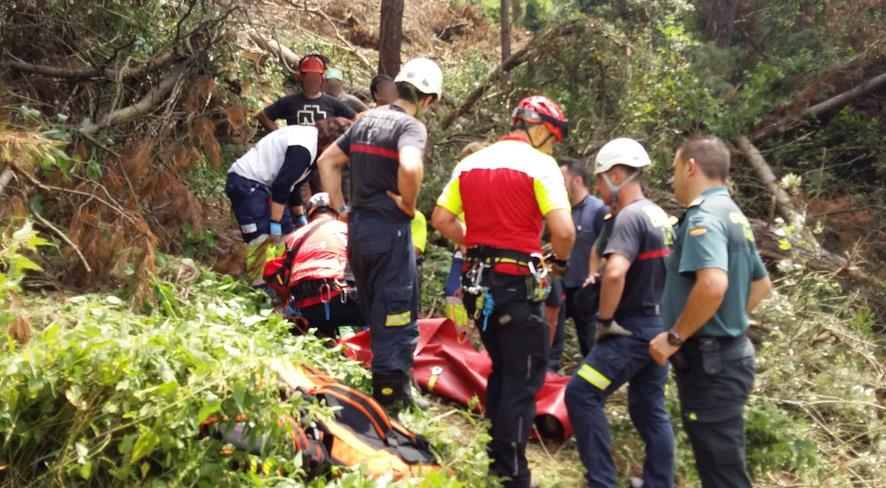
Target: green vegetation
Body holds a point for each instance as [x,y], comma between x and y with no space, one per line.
[128,357]
[104,396]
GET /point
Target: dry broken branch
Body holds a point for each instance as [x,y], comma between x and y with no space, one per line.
[283,53]
[63,237]
[151,100]
[783,203]
[5,178]
[807,247]
[828,105]
[89,72]
[509,64]
[512,62]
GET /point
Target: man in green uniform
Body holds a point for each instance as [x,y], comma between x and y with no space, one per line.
[715,278]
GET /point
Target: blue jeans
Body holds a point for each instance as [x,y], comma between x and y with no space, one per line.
[612,363]
[383,262]
[251,203]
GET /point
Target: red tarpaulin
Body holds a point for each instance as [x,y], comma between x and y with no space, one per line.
[447,365]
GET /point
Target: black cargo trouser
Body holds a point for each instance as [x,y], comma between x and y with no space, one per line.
[714,378]
[516,338]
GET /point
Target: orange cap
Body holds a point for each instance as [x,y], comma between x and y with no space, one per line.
[312,64]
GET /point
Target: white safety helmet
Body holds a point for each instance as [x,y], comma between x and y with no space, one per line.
[621,151]
[317,202]
[424,74]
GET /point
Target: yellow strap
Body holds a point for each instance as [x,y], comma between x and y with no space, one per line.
[398,319]
[594,377]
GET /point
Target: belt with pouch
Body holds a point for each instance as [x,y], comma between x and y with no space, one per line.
[711,352]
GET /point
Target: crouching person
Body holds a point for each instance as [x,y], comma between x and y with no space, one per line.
[264,187]
[312,276]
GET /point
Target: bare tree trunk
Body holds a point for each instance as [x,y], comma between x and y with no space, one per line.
[505,15]
[390,36]
[720,23]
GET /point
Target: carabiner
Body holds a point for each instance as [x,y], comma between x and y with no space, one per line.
[325,293]
[543,272]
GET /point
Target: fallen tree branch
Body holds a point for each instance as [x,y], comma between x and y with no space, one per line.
[5,178]
[807,246]
[151,100]
[63,237]
[90,72]
[507,65]
[804,246]
[283,53]
[828,105]
[783,203]
[516,59]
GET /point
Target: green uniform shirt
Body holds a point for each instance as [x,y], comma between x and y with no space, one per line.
[713,233]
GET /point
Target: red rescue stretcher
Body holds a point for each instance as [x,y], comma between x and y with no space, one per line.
[446,364]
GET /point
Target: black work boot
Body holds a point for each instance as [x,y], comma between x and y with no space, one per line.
[389,391]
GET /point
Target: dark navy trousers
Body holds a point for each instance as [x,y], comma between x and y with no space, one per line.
[382,259]
[611,363]
[251,203]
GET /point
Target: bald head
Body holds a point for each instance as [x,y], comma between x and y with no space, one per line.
[711,155]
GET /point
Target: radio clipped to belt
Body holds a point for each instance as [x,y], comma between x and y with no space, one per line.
[538,283]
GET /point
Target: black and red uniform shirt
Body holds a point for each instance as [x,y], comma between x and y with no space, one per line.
[641,232]
[373,144]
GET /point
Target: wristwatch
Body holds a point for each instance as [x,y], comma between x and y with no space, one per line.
[343,209]
[674,339]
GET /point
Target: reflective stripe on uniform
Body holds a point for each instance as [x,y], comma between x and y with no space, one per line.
[594,377]
[398,319]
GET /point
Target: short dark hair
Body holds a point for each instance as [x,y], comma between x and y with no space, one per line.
[407,91]
[711,154]
[576,168]
[378,80]
[328,130]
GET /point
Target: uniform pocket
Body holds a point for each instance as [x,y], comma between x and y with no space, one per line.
[398,306]
[372,245]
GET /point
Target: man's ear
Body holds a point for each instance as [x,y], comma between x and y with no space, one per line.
[691,166]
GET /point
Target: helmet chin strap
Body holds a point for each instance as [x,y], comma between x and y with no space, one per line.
[531,142]
[614,189]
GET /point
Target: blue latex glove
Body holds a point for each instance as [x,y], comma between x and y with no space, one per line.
[453,281]
[300,221]
[276,229]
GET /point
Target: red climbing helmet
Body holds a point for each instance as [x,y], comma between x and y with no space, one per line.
[542,110]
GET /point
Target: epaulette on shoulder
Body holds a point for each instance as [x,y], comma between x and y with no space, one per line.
[698,201]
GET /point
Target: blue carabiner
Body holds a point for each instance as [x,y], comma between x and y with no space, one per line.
[488,305]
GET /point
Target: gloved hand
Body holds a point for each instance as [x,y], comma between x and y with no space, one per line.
[300,221]
[608,328]
[276,230]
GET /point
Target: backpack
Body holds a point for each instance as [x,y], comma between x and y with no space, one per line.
[359,432]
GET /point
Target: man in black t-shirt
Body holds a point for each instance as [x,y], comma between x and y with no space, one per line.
[310,105]
[630,294]
[384,150]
